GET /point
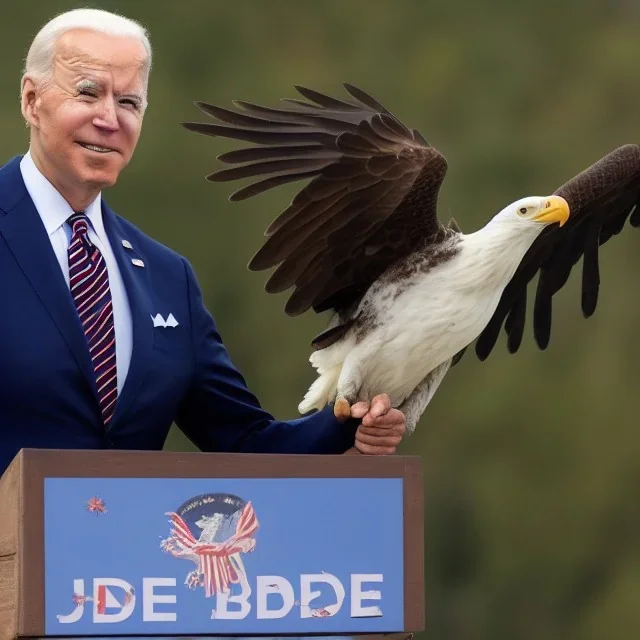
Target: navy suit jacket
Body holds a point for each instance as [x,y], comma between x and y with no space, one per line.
[48,395]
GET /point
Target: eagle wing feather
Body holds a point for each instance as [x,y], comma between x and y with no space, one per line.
[370,202]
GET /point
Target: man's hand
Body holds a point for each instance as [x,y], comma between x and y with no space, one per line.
[382,427]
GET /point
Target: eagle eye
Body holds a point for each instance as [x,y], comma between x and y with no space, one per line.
[523,210]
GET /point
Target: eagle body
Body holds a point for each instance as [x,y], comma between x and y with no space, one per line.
[407,294]
[418,316]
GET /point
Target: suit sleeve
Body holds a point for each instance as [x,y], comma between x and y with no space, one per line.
[219,412]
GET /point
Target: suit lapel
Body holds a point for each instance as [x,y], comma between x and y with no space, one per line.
[138,285]
[27,239]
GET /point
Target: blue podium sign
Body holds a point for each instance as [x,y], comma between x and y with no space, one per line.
[218,556]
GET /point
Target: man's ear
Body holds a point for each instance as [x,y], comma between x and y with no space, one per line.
[29,102]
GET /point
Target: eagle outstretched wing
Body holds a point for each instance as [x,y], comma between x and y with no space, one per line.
[601,199]
[371,200]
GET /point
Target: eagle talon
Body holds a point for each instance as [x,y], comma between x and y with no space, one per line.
[342,410]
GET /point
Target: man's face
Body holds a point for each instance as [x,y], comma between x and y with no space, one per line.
[86,119]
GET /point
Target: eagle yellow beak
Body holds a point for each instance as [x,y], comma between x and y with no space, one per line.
[556,209]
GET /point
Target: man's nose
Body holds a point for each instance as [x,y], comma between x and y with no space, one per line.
[107,117]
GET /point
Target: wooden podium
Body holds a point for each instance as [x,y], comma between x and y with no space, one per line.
[198,545]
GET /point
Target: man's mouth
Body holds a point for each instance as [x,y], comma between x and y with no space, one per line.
[95,147]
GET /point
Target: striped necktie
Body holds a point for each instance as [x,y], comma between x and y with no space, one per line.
[89,282]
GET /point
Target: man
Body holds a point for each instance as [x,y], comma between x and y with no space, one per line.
[104,336]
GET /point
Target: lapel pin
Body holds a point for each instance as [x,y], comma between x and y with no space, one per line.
[137,262]
[126,244]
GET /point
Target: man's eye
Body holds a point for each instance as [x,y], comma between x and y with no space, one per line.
[131,102]
[88,92]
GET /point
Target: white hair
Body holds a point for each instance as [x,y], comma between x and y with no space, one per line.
[39,59]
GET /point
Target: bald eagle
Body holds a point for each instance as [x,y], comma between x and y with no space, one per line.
[407,294]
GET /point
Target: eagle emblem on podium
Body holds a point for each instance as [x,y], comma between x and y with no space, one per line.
[212,531]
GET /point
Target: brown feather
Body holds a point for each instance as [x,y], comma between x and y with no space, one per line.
[285,152]
[280,244]
[232,117]
[265,136]
[324,100]
[290,270]
[330,336]
[264,185]
[295,165]
[300,214]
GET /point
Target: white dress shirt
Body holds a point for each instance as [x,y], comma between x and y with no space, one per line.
[54,211]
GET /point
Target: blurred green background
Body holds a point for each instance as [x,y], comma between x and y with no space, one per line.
[532,462]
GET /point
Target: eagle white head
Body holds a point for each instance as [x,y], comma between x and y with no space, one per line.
[536,211]
[494,252]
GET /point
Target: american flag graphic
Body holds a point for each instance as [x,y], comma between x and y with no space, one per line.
[218,564]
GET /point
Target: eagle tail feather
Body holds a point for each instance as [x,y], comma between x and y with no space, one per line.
[321,392]
[328,362]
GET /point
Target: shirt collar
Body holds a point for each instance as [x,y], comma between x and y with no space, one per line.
[52,207]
